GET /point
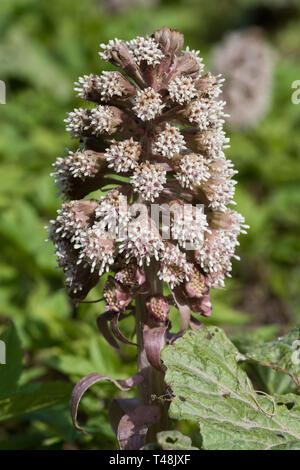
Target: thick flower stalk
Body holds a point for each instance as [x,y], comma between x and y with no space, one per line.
[153,143]
[245,60]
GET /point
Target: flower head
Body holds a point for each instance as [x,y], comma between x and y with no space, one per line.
[131,274]
[173,267]
[145,49]
[245,60]
[206,114]
[123,156]
[108,49]
[148,104]
[116,296]
[182,90]
[148,180]
[191,170]
[112,212]
[142,242]
[152,141]
[80,164]
[168,141]
[189,225]
[106,87]
[220,187]
[158,308]
[195,286]
[78,122]
[105,119]
[96,249]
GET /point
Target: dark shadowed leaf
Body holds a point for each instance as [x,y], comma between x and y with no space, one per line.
[10,371]
[40,397]
[133,426]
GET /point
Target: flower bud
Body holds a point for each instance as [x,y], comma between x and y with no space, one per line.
[170,40]
[220,220]
[210,142]
[131,275]
[202,306]
[104,88]
[116,296]
[128,90]
[195,286]
[209,85]
[121,56]
[158,308]
[230,221]
[187,64]
[73,217]
[106,120]
[80,281]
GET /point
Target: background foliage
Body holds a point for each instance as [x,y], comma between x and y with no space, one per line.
[44,47]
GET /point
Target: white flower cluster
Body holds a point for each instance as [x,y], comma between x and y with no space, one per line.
[112,213]
[142,242]
[215,256]
[168,142]
[96,249]
[107,85]
[148,180]
[192,170]
[189,227]
[218,249]
[72,219]
[206,114]
[102,120]
[158,124]
[107,48]
[182,90]
[148,104]
[77,164]
[174,267]
[220,187]
[123,156]
[213,142]
[78,122]
[196,54]
[145,49]
[86,85]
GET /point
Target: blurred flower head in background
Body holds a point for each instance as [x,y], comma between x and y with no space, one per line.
[245,60]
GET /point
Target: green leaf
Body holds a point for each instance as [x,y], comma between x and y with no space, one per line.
[72,365]
[11,370]
[210,387]
[174,440]
[27,401]
[282,355]
[269,380]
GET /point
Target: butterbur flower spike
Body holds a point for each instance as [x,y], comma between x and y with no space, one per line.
[154,145]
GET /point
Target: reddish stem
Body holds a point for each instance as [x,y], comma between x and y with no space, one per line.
[153,385]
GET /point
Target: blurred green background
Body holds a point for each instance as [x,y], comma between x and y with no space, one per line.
[44,47]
